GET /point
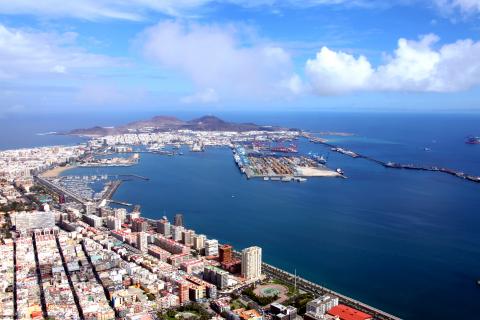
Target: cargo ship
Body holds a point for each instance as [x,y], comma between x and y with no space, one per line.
[473,140]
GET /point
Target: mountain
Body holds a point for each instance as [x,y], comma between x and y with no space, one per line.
[168,123]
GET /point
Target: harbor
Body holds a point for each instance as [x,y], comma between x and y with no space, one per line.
[285,166]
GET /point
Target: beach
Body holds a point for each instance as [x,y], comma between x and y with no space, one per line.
[55,172]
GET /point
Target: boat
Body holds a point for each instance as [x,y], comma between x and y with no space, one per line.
[266,178]
[320,159]
[473,140]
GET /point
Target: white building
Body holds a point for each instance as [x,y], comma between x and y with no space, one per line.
[121,213]
[252,262]
[163,227]
[199,241]
[187,237]
[93,220]
[114,223]
[211,247]
[177,232]
[318,307]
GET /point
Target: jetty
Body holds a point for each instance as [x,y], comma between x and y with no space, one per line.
[134,176]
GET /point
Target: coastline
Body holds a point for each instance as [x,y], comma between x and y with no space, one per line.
[55,172]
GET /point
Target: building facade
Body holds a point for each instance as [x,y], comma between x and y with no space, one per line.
[252,263]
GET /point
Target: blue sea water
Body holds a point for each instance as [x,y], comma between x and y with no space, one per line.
[407,242]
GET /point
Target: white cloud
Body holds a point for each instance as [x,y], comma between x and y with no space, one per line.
[414,66]
[468,7]
[213,58]
[207,96]
[29,52]
[337,72]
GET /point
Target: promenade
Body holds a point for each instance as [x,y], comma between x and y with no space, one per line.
[317,290]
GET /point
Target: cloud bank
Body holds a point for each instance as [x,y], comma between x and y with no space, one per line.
[218,63]
[415,66]
[26,52]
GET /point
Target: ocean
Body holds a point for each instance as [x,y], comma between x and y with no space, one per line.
[403,241]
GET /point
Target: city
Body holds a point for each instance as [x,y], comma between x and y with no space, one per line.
[69,255]
[239,159]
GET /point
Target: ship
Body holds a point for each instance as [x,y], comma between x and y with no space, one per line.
[320,159]
[473,140]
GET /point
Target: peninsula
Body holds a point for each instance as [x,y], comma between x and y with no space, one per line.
[169,123]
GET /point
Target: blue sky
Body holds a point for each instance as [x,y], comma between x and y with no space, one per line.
[154,55]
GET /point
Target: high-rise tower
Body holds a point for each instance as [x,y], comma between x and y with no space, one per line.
[178,220]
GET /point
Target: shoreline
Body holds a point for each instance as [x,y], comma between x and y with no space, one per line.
[55,172]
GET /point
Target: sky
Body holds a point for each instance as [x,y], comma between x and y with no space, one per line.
[152,55]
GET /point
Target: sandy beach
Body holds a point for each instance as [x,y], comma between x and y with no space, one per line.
[55,172]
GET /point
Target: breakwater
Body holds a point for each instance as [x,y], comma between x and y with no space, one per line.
[394,165]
